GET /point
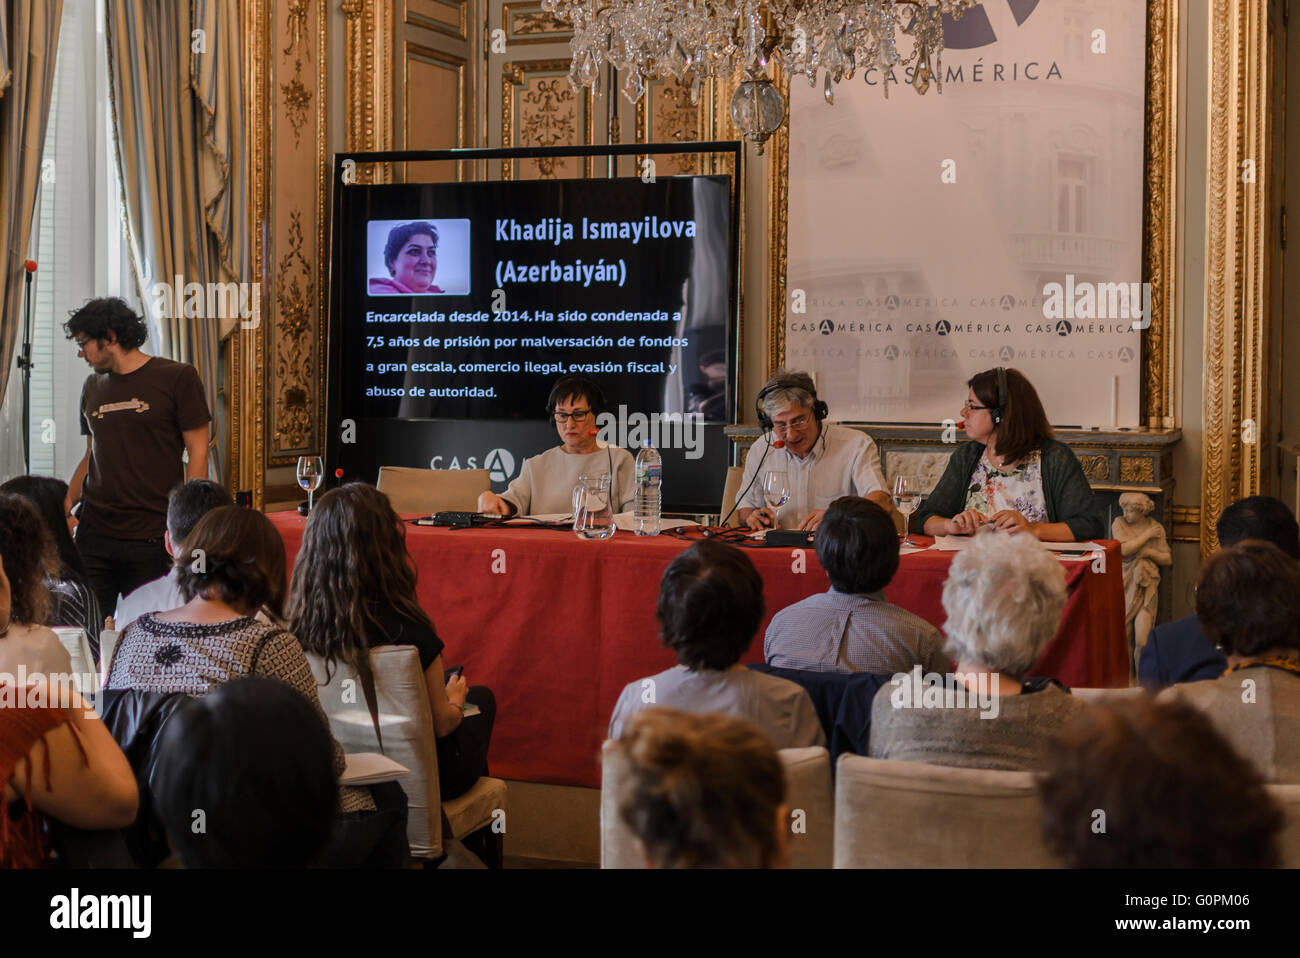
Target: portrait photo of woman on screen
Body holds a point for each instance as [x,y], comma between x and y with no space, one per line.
[404,258]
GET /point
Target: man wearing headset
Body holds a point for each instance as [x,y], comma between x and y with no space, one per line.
[821,461]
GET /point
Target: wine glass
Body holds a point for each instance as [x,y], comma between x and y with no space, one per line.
[311,471]
[907,498]
[776,492]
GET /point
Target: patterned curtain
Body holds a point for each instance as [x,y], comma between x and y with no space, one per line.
[175,76]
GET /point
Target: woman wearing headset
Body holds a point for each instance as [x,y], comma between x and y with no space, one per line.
[1012,475]
[545,484]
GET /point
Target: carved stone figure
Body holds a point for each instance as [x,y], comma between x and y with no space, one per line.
[1145,550]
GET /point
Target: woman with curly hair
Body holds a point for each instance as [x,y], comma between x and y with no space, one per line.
[26,559]
[353,589]
[75,604]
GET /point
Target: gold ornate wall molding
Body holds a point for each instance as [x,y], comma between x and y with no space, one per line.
[539,108]
[1237,317]
[368,92]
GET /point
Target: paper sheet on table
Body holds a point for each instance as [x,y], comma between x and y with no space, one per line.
[627,522]
[369,768]
[1084,549]
[908,550]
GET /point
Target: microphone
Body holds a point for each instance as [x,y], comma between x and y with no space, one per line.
[961,423]
[593,432]
[30,266]
[778,443]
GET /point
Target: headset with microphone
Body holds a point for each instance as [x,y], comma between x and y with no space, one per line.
[785,381]
[999,410]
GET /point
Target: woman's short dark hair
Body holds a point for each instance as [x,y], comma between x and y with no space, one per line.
[1174,792]
[1246,599]
[702,790]
[50,496]
[710,605]
[29,559]
[98,317]
[189,502]
[1024,424]
[256,760]
[1260,517]
[239,552]
[399,235]
[576,387]
[857,545]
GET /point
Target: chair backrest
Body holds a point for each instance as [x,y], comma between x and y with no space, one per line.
[83,660]
[808,793]
[433,490]
[842,700]
[891,814]
[1109,696]
[1288,797]
[406,723]
[730,489]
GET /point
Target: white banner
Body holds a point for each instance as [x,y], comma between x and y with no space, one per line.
[998,223]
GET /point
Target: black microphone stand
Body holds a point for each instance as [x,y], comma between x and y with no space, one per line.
[25,364]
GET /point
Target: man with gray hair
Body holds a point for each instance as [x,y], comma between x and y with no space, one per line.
[1004,597]
[820,461]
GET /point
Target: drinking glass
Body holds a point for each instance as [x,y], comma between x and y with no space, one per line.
[776,493]
[593,518]
[907,498]
[311,471]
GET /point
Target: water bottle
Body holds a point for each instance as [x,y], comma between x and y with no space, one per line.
[649,475]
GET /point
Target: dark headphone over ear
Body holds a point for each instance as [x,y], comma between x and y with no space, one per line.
[1002,396]
[789,381]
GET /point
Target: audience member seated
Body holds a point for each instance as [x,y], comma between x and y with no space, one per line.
[75,604]
[233,566]
[703,791]
[1179,651]
[57,761]
[189,502]
[26,558]
[852,627]
[1248,601]
[710,606]
[1003,597]
[1173,792]
[254,757]
[354,588]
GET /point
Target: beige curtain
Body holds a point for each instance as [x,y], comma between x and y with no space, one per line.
[175,80]
[29,38]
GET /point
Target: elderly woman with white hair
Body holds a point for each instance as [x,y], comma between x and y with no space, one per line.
[1004,598]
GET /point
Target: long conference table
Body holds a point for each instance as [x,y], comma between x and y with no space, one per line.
[556,626]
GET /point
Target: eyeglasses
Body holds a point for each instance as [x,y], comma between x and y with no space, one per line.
[578,415]
[794,424]
[971,407]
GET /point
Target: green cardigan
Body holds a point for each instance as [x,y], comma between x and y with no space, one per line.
[1068,496]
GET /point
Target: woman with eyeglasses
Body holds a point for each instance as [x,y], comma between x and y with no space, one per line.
[1012,475]
[545,484]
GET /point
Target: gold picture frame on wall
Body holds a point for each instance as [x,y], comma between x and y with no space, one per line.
[1159,237]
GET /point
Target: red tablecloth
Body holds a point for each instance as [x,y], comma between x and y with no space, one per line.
[556,626]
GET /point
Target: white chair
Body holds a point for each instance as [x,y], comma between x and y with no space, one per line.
[406,723]
[433,490]
[730,490]
[84,674]
[1109,696]
[808,793]
[1288,797]
[891,814]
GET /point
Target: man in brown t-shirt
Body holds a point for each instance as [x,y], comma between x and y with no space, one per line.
[139,413]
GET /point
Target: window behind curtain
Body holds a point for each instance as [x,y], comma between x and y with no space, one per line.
[77,239]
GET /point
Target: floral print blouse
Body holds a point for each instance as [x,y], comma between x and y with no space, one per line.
[1020,488]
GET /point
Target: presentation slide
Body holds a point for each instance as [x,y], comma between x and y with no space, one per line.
[468,300]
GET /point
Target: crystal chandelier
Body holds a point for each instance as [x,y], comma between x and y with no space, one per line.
[653,39]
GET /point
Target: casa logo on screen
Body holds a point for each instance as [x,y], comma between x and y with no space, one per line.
[500,463]
[974,29]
